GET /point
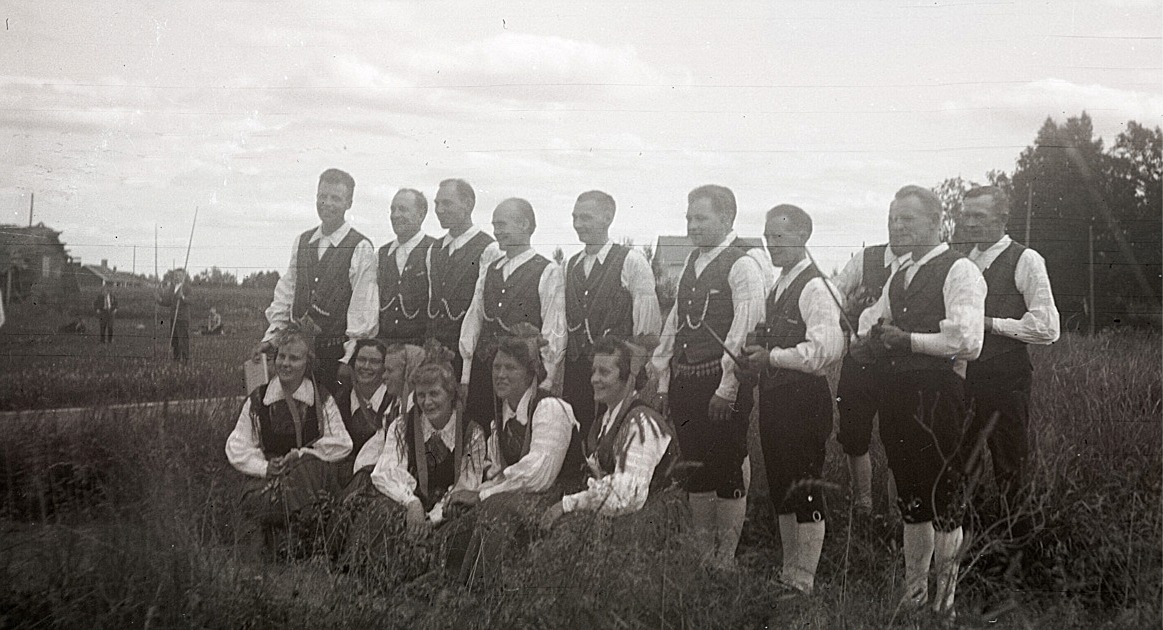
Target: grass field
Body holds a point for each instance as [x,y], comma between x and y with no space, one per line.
[128,520]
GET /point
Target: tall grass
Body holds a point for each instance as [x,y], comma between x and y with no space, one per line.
[130,520]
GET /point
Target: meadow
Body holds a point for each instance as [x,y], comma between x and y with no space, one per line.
[129,519]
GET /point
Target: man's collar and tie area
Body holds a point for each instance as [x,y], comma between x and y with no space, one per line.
[509,265]
[983,258]
[323,241]
[589,260]
[452,243]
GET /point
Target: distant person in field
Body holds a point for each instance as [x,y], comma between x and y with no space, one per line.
[722,288]
[860,284]
[288,437]
[332,278]
[609,291]
[792,353]
[1,308]
[213,323]
[176,298]
[455,263]
[921,332]
[403,272]
[105,304]
[523,287]
[1019,311]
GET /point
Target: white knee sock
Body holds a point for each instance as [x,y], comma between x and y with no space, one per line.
[799,567]
[946,560]
[703,521]
[860,471]
[787,541]
[918,549]
[729,516]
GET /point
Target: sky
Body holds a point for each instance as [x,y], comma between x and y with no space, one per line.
[123,116]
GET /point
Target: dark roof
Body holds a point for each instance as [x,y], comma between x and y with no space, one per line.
[106,274]
[24,241]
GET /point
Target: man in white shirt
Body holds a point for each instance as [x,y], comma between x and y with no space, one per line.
[720,293]
[332,278]
[922,331]
[1019,311]
[403,272]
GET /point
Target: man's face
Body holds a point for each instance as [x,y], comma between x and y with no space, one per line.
[332,201]
[911,227]
[979,222]
[407,215]
[509,227]
[510,378]
[450,210]
[704,226]
[591,222]
[784,244]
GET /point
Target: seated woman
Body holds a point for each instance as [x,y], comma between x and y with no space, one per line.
[288,436]
[631,451]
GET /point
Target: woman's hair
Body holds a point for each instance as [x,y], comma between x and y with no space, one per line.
[621,352]
[526,352]
[436,368]
[295,331]
[360,344]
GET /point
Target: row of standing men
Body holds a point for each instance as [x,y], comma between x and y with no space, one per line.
[919,322]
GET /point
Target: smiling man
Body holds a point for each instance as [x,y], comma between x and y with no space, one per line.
[403,272]
[332,278]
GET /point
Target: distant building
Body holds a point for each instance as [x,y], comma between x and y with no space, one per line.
[671,252]
[99,275]
[34,263]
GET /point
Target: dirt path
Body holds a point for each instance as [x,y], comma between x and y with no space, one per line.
[201,405]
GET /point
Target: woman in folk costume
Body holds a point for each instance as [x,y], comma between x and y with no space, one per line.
[429,452]
[288,437]
[631,451]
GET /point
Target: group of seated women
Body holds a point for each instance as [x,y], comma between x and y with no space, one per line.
[425,487]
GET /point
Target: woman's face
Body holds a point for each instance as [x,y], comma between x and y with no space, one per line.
[510,378]
[369,366]
[609,386]
[291,361]
[435,402]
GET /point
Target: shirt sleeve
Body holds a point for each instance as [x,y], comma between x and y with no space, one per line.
[369,453]
[626,490]
[552,427]
[638,279]
[363,312]
[279,312]
[962,329]
[470,327]
[491,255]
[551,289]
[1040,324]
[849,277]
[882,309]
[748,293]
[825,340]
[665,351]
[335,443]
[391,476]
[243,450]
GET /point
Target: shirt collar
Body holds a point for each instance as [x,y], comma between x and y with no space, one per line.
[997,247]
[714,253]
[458,241]
[890,258]
[518,260]
[521,414]
[933,253]
[333,238]
[602,253]
[447,434]
[305,394]
[377,399]
[409,244]
[790,274]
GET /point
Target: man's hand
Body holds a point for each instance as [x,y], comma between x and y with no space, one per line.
[275,467]
[264,347]
[757,358]
[551,515]
[862,351]
[464,497]
[416,520]
[719,409]
[894,338]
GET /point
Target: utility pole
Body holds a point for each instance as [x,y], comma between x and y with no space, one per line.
[1029,212]
[31,203]
[135,260]
[1090,244]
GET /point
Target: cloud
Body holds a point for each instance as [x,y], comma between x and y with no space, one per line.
[1111,107]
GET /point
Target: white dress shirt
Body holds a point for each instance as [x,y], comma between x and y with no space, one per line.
[403,250]
[244,448]
[491,253]
[1040,324]
[852,275]
[825,339]
[638,279]
[962,329]
[363,312]
[553,427]
[750,280]
[391,476]
[369,453]
[550,288]
[626,489]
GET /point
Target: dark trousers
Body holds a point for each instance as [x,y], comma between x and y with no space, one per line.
[999,398]
[180,341]
[105,321]
[922,419]
[579,393]
[719,450]
[481,406]
[795,421]
[857,400]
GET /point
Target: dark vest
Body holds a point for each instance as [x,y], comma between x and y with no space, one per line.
[597,305]
[323,290]
[920,308]
[360,429]
[404,296]
[453,280]
[1005,301]
[275,426]
[442,467]
[506,303]
[786,327]
[705,301]
[514,438]
[611,448]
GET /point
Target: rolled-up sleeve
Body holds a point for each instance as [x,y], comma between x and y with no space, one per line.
[638,279]
[824,343]
[749,284]
[391,476]
[335,443]
[626,490]
[962,329]
[363,312]
[1041,323]
[243,450]
[279,312]
[551,290]
[553,425]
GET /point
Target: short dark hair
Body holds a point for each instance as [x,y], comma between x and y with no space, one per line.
[1001,201]
[360,344]
[421,200]
[336,176]
[526,210]
[601,198]
[611,346]
[524,353]
[721,197]
[463,190]
[928,198]
[800,221]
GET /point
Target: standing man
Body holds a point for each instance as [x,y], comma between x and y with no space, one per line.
[1019,310]
[403,272]
[177,297]
[609,290]
[922,331]
[861,283]
[332,278]
[455,263]
[522,286]
[722,288]
[106,307]
[801,340]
